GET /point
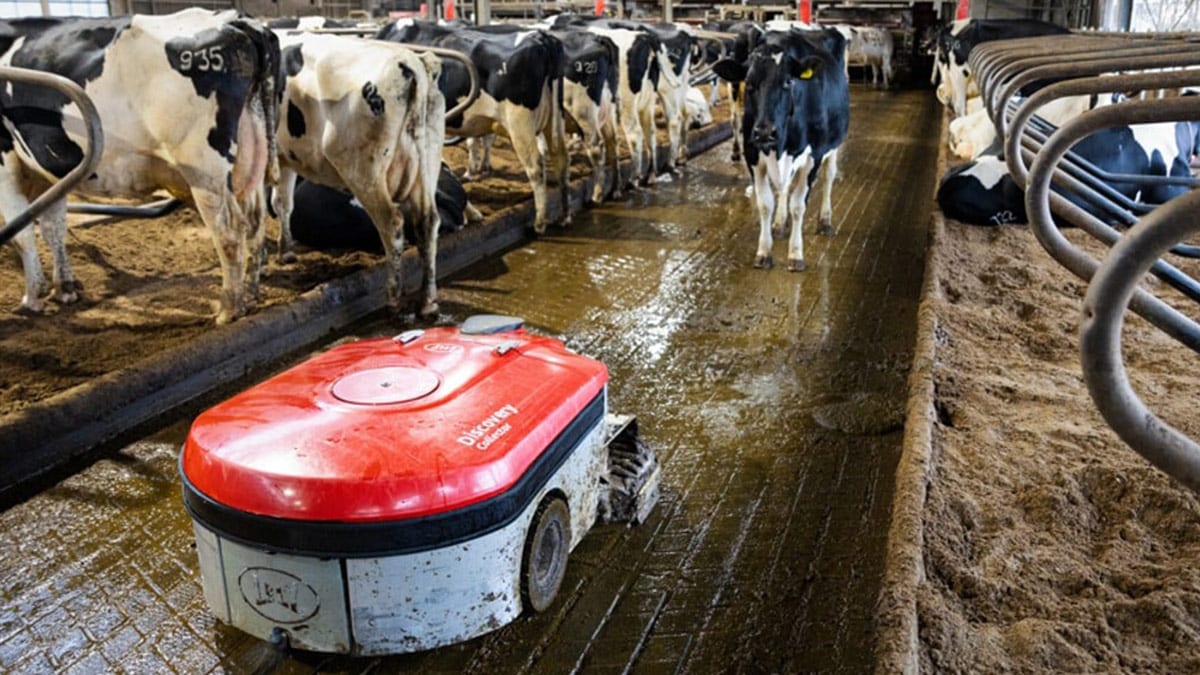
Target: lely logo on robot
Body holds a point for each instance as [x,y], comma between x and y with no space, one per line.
[443,348]
[490,429]
[278,596]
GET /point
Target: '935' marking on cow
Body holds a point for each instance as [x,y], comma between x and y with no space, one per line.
[203,59]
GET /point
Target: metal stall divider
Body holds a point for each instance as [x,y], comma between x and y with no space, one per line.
[1038,155]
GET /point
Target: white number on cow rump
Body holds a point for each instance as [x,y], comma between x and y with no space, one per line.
[204,60]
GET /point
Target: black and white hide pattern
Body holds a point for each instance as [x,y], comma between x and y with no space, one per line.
[748,34]
[591,98]
[955,47]
[521,85]
[188,104]
[367,116]
[797,115]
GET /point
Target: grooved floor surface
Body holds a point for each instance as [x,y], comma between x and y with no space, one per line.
[775,401]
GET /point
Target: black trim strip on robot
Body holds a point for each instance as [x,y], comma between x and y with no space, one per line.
[332,539]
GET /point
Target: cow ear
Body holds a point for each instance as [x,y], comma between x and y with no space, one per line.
[730,70]
[805,68]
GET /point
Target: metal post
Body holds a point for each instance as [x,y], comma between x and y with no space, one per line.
[668,11]
[483,12]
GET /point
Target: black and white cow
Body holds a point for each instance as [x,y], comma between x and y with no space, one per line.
[521,92]
[365,115]
[748,34]
[591,98]
[675,59]
[316,206]
[797,115]
[982,192]
[639,72]
[187,102]
[964,36]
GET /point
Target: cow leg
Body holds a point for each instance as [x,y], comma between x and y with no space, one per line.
[735,120]
[283,200]
[426,225]
[673,115]
[765,196]
[479,157]
[609,133]
[251,209]
[829,172]
[631,124]
[390,225]
[525,144]
[797,197]
[53,226]
[13,202]
[650,143]
[559,160]
[215,209]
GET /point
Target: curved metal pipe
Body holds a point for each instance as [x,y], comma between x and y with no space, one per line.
[91,153]
[1038,198]
[1104,371]
[151,210]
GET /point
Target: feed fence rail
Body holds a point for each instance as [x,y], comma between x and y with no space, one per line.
[1131,79]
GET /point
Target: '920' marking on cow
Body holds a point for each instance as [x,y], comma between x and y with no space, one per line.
[204,59]
[588,67]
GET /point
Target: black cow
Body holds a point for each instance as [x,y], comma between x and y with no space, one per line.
[982,192]
[318,205]
[797,115]
[521,90]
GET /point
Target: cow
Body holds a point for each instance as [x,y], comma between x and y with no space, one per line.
[521,92]
[304,23]
[981,192]
[698,113]
[317,206]
[974,134]
[591,91]
[797,115]
[747,36]
[964,36]
[367,116]
[870,46]
[639,73]
[675,58]
[188,105]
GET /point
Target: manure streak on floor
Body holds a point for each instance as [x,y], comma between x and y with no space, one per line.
[775,401]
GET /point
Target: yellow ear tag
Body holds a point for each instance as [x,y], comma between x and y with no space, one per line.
[807,74]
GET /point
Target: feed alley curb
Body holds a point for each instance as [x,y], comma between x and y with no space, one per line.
[47,436]
[897,642]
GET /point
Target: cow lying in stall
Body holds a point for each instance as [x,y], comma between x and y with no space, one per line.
[797,115]
[317,206]
[365,115]
[521,92]
[983,193]
[187,102]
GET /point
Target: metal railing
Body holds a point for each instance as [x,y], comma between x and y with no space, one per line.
[1141,236]
[91,153]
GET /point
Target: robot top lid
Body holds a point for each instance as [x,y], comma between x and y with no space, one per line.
[386,429]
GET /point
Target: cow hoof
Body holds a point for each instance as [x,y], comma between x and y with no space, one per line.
[65,297]
[764,262]
[825,227]
[617,193]
[429,310]
[736,156]
[795,265]
[26,310]
[287,257]
[539,228]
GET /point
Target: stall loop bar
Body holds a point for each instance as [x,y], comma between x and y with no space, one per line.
[91,152]
[1148,70]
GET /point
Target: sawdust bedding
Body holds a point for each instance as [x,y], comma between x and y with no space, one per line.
[1049,545]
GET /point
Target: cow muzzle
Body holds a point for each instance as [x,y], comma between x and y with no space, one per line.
[764,136]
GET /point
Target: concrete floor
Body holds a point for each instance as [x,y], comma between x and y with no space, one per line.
[775,401]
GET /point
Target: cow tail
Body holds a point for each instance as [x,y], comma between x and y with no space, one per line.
[267,88]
